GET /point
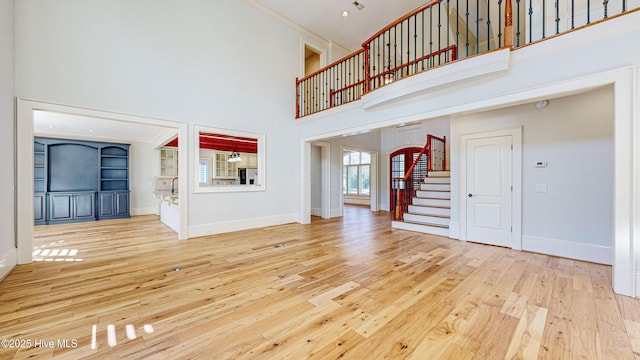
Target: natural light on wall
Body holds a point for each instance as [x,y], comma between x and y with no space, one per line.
[228,160]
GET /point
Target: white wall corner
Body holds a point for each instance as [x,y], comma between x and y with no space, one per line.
[316,211]
[239,225]
[336,213]
[568,249]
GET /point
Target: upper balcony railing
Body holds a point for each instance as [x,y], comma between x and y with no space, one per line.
[443,31]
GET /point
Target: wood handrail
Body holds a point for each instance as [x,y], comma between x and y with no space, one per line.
[400,19]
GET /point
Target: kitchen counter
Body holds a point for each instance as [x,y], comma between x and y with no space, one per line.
[169,208]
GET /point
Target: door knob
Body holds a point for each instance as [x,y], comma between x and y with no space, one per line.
[470,195]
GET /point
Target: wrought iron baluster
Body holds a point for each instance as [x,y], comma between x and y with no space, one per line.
[557,4]
[544,23]
[488,25]
[573,14]
[500,17]
[530,20]
[423,37]
[467,23]
[415,43]
[448,27]
[588,12]
[605,4]
[478,26]
[517,22]
[430,36]
[439,29]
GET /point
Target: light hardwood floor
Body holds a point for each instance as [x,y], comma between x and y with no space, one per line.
[349,288]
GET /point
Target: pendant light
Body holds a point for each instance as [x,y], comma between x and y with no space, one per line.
[235,155]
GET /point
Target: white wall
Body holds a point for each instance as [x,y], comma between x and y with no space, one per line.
[7,235]
[394,138]
[316,180]
[368,141]
[145,164]
[170,60]
[574,135]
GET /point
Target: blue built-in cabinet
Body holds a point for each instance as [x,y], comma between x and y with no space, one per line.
[77,180]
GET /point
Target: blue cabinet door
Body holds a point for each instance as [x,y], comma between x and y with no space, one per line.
[84,206]
[39,209]
[122,204]
[60,207]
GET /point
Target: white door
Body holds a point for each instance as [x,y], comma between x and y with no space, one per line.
[489,190]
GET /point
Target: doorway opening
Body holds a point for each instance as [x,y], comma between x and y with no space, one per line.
[28,126]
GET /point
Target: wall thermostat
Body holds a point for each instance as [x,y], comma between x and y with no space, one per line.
[541,164]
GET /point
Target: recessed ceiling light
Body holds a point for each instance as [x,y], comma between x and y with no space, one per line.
[345,13]
[91,130]
[358,5]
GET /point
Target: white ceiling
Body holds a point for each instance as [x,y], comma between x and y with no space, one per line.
[46,123]
[323,17]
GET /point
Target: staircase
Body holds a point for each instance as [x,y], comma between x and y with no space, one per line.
[429,210]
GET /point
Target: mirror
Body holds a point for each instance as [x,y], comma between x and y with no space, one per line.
[228,160]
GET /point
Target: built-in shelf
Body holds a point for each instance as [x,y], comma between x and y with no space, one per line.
[77,180]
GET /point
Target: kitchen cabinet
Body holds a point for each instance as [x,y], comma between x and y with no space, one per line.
[168,161]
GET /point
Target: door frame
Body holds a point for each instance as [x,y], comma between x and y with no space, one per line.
[516,174]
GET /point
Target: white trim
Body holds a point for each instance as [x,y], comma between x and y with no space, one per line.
[325,181]
[569,249]
[8,262]
[143,211]
[357,200]
[336,213]
[454,230]
[243,224]
[262,169]
[305,182]
[516,178]
[24,173]
[316,211]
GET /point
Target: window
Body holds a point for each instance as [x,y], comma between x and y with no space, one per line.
[228,161]
[356,173]
[204,171]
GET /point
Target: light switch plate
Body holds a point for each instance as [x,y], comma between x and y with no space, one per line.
[541,188]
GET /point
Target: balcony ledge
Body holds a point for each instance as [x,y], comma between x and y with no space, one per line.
[464,70]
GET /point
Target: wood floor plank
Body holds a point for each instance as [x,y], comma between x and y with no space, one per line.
[347,288]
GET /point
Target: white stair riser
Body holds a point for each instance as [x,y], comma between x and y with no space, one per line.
[437,180]
[425,210]
[420,228]
[433,194]
[432,202]
[439,187]
[426,219]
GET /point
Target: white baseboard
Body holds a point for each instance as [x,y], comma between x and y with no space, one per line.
[357,200]
[454,230]
[144,211]
[316,212]
[569,249]
[238,225]
[335,213]
[7,262]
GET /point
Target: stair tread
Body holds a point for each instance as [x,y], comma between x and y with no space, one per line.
[426,224]
[431,206]
[432,215]
[429,198]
